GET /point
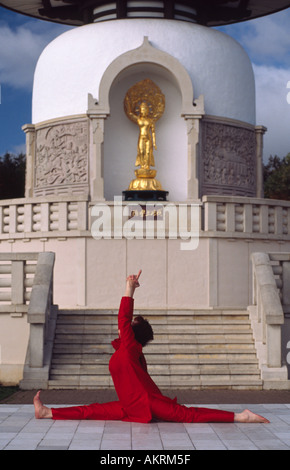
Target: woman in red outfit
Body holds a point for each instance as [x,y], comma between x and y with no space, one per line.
[140,400]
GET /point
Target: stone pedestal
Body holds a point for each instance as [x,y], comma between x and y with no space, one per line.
[157,195]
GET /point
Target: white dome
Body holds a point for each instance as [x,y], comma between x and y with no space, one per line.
[73,64]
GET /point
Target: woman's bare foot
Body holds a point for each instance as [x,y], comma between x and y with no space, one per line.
[248,416]
[41,411]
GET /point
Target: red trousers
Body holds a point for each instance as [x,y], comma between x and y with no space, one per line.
[162,410]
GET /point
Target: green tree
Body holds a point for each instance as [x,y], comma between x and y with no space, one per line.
[277,178]
[12,176]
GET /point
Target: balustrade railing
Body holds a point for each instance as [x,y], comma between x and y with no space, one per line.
[240,215]
[17,272]
[26,287]
[40,309]
[267,318]
[223,215]
[28,216]
[280,263]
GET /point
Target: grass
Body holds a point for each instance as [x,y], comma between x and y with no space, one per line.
[6,392]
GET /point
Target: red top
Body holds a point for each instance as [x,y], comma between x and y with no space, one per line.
[128,369]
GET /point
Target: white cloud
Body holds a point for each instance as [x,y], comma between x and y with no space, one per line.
[267,42]
[20,49]
[273,109]
[267,39]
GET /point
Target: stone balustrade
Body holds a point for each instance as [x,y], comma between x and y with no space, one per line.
[280,263]
[40,316]
[27,315]
[242,215]
[17,272]
[267,318]
[224,215]
[23,217]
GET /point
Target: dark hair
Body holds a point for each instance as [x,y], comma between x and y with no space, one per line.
[142,330]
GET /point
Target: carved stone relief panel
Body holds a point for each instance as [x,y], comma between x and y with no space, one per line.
[228,159]
[61,160]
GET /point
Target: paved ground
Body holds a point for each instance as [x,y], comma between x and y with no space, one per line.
[20,430]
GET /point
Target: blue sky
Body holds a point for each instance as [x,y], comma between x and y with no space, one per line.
[266,40]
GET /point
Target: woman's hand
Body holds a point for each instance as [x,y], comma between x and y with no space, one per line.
[132,282]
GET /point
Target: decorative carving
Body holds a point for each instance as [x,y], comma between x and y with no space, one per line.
[62,155]
[228,159]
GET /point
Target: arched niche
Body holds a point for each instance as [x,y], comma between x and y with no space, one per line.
[113,145]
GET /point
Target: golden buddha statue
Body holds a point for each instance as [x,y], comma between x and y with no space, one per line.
[144,104]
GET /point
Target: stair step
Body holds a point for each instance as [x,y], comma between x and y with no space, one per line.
[192,337]
[194,383]
[160,359]
[158,319]
[154,319]
[155,312]
[101,330]
[158,348]
[170,369]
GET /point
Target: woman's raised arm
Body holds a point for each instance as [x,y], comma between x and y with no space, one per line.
[132,282]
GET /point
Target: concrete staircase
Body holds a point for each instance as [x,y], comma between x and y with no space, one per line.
[196,349]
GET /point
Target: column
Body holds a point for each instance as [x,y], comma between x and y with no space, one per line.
[29,130]
[193,129]
[97,115]
[260,131]
[193,119]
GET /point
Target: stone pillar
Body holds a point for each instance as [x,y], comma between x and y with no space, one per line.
[29,130]
[97,118]
[193,160]
[96,157]
[193,145]
[260,131]
[213,286]
[274,345]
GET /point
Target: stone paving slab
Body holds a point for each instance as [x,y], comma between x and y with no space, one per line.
[19,430]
